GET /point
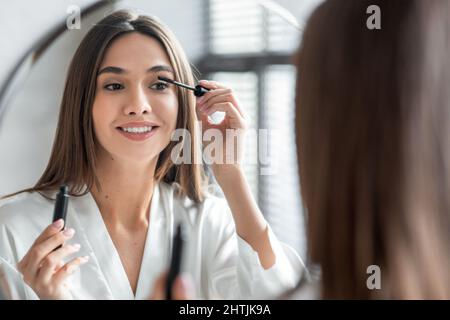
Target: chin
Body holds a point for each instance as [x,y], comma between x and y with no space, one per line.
[135,153]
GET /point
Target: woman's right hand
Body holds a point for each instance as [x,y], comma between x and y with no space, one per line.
[43,268]
[182,289]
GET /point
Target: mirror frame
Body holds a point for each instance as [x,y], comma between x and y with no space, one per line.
[27,60]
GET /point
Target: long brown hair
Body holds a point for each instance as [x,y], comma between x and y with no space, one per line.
[372,121]
[73,156]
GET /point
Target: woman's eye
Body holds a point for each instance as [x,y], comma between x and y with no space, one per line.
[113,86]
[160,86]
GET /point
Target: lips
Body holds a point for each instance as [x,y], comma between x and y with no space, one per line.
[138,124]
[138,131]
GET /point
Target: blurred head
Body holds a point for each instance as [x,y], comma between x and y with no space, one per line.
[111,91]
[373,112]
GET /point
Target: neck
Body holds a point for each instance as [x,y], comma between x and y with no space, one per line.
[125,191]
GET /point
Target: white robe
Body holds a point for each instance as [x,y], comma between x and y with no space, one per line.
[222,265]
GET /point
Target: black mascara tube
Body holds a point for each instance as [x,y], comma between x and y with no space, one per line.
[175,263]
[62,201]
[60,211]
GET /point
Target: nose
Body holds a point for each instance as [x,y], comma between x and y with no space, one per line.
[137,103]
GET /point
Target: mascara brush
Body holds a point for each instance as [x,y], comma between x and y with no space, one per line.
[198,89]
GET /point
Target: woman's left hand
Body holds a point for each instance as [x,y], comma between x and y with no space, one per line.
[233,126]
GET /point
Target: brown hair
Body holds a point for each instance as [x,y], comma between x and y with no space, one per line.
[372,121]
[73,155]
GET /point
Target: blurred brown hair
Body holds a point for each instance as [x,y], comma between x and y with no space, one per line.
[373,112]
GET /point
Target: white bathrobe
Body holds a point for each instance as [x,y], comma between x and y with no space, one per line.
[222,265]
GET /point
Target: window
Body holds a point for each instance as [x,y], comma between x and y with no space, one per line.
[250,50]
[245,86]
[247,27]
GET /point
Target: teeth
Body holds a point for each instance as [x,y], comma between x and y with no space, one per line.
[137,129]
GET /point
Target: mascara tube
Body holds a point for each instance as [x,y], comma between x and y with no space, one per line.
[62,201]
[60,211]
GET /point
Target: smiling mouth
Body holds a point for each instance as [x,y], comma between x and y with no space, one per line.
[138,133]
[138,130]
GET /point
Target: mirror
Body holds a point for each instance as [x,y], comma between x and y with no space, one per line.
[246,45]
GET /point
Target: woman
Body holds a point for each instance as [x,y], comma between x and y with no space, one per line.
[373,112]
[113,148]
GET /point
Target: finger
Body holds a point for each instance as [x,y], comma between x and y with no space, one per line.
[51,230]
[212,85]
[183,288]
[41,250]
[231,114]
[215,84]
[207,96]
[159,292]
[201,116]
[227,97]
[54,261]
[68,269]
[221,95]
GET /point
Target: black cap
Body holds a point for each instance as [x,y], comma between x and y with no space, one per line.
[64,189]
[200,91]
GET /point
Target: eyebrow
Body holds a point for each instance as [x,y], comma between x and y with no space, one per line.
[117,70]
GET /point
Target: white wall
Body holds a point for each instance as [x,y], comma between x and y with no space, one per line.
[22,21]
[27,130]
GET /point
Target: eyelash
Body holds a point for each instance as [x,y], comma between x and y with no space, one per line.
[108,86]
[164,84]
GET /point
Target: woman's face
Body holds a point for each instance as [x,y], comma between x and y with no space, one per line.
[134,113]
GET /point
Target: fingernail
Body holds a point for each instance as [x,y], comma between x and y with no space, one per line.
[186,280]
[69,232]
[181,283]
[76,246]
[85,259]
[58,224]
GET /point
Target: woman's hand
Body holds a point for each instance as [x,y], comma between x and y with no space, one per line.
[182,289]
[250,223]
[232,128]
[43,268]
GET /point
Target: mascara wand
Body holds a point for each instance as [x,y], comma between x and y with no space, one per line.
[198,89]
